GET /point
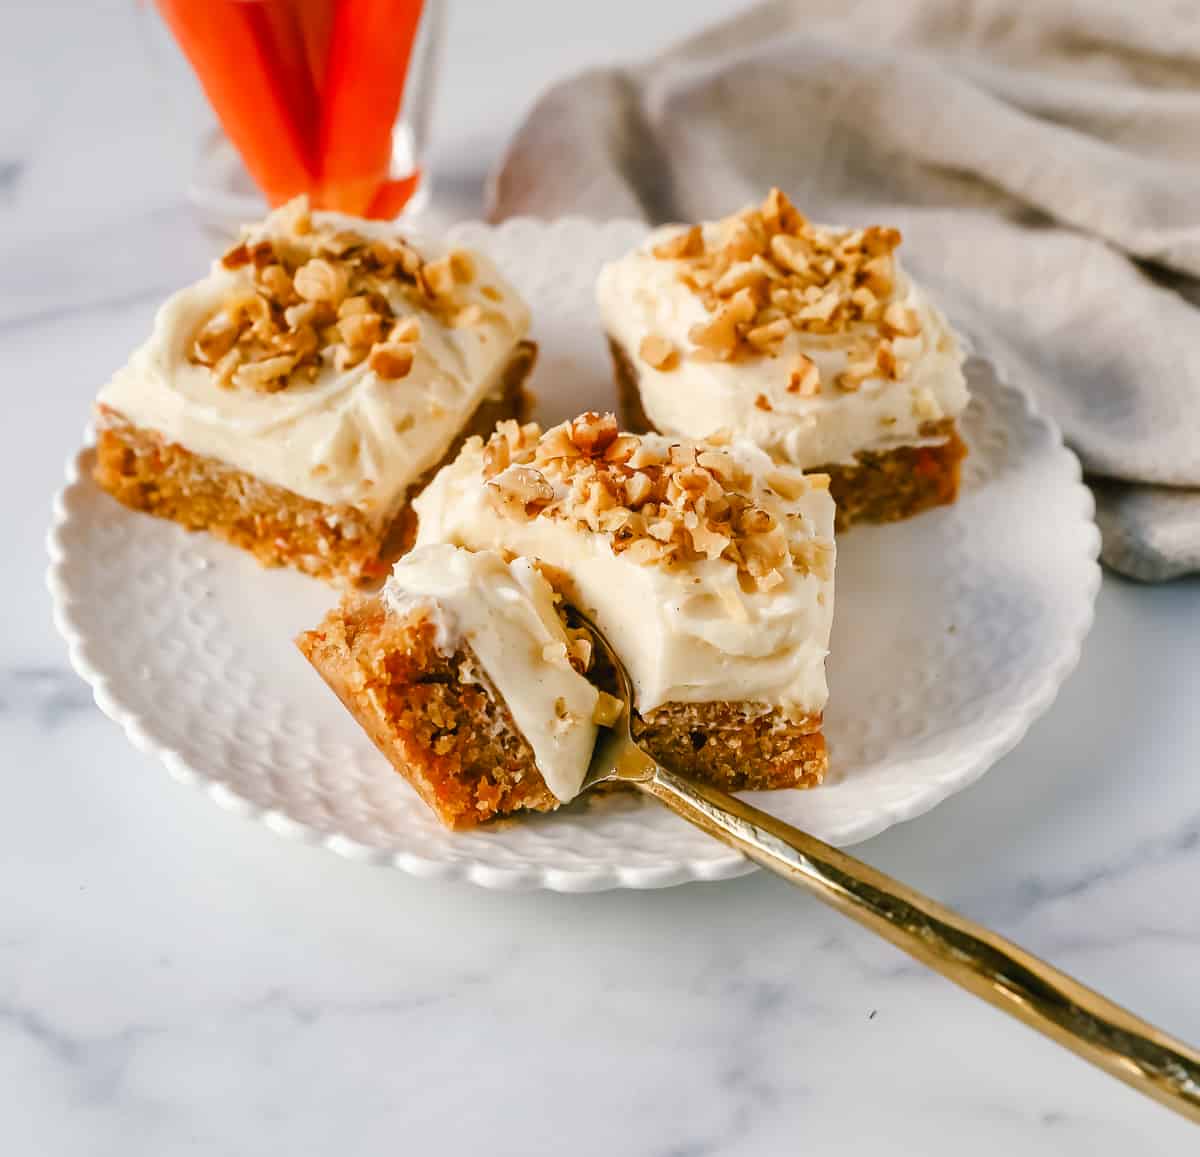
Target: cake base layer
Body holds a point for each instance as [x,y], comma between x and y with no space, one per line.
[735,746]
[141,469]
[433,716]
[632,414]
[881,486]
[887,486]
[441,724]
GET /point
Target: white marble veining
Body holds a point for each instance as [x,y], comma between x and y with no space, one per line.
[174,980]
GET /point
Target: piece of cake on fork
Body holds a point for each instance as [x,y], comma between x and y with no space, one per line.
[294,400]
[812,342]
[708,566]
[464,674]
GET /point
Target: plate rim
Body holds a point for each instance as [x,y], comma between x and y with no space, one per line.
[1005,732]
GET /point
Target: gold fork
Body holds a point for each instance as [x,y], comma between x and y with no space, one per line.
[994,969]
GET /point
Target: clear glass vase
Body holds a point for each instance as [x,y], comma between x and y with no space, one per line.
[332,98]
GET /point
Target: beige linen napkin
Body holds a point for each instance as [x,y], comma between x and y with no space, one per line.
[1043,161]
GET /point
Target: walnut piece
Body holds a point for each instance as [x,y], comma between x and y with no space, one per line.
[391,360]
[689,243]
[658,352]
[805,379]
[321,280]
[520,489]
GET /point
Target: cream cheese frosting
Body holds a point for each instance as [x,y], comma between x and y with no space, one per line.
[348,437]
[506,612]
[693,631]
[641,295]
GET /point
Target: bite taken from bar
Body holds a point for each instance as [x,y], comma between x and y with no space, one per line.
[810,341]
[294,400]
[466,677]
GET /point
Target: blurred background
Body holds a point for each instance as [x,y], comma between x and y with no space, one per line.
[75,67]
[101,120]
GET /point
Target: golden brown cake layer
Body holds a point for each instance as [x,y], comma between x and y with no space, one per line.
[882,486]
[736,746]
[633,415]
[441,724]
[280,528]
[894,484]
[452,739]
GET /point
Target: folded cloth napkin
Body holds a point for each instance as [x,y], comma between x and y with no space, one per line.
[1042,160]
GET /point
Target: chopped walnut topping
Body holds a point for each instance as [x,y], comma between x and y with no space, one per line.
[720,337]
[468,316]
[658,504]
[689,243]
[766,272]
[592,434]
[267,374]
[392,360]
[407,329]
[361,329]
[658,352]
[864,361]
[216,337]
[607,710]
[889,365]
[323,296]
[805,379]
[462,265]
[898,321]
[814,556]
[438,278]
[520,488]
[580,649]
[320,280]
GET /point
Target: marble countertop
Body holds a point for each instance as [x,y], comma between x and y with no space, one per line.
[174,979]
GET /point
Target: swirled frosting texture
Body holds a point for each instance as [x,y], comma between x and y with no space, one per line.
[349,437]
[644,296]
[688,631]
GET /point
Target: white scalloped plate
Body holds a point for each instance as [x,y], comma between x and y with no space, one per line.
[953,633]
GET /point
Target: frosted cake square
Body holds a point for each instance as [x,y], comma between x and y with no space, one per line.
[812,342]
[295,399]
[707,565]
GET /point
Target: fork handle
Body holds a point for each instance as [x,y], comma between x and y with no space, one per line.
[973,957]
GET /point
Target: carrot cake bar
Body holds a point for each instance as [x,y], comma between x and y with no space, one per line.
[812,342]
[295,399]
[708,566]
[461,671]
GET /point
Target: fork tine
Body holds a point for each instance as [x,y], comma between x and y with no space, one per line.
[616,754]
[624,684]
